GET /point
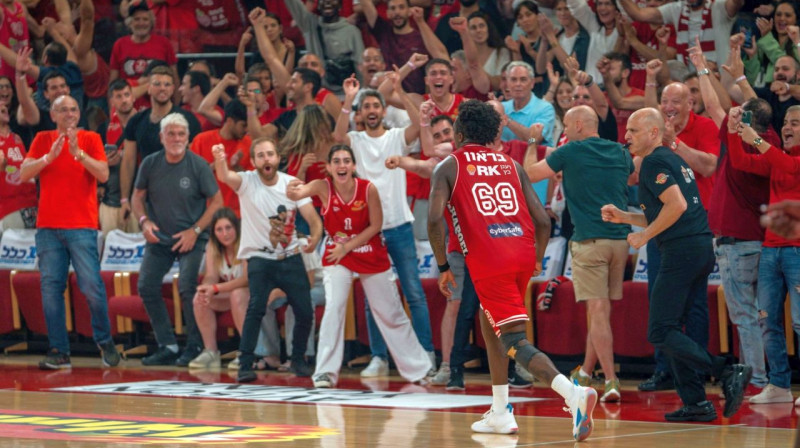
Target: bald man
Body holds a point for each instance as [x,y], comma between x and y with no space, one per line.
[696,140]
[69,162]
[675,219]
[595,172]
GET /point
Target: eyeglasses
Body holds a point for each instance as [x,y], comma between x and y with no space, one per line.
[256,91]
[5,86]
[577,97]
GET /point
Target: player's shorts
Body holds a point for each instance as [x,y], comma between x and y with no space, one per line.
[598,268]
[502,298]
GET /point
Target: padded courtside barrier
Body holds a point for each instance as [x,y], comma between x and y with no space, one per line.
[83,318]
[562,329]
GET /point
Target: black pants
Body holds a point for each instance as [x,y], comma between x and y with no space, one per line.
[685,266]
[265,275]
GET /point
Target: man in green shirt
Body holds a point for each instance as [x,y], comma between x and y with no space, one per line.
[595,173]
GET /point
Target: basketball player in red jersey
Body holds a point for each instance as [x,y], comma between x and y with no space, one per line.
[352,215]
[497,216]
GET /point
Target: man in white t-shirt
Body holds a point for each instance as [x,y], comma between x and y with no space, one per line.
[372,147]
[710,20]
[270,245]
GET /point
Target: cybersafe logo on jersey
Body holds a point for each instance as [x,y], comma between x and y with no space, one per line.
[503,230]
[147,430]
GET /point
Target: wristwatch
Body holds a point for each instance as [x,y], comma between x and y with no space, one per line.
[532,141]
[703,72]
[674,145]
[757,141]
[198,230]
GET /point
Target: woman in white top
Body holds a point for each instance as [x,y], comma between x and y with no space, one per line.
[224,286]
[602,28]
[491,52]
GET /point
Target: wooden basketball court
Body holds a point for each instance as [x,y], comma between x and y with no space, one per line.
[137,406]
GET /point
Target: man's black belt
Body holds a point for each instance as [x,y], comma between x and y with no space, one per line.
[723,240]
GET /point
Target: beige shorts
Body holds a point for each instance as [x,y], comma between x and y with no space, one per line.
[598,267]
[110,220]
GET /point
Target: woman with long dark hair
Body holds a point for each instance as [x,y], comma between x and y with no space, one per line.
[352,215]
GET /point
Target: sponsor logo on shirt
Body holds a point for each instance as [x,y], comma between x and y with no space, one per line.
[358,206]
[503,230]
[661,179]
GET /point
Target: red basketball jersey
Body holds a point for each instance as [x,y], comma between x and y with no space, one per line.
[491,219]
[343,221]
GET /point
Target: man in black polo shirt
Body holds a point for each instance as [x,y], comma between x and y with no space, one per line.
[674,216]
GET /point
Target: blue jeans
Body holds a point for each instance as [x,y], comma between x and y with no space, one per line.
[738,266]
[56,248]
[696,325]
[466,312]
[779,267]
[157,261]
[401,246]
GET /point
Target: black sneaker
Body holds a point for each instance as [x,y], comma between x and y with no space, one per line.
[109,353]
[300,367]
[517,382]
[659,381]
[246,375]
[700,412]
[456,379]
[189,353]
[734,382]
[55,360]
[162,357]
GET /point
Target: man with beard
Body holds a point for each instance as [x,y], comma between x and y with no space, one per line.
[328,36]
[131,54]
[324,97]
[143,129]
[372,147]
[233,137]
[616,70]
[777,275]
[398,39]
[710,21]
[120,99]
[262,196]
[302,88]
[781,94]
[174,200]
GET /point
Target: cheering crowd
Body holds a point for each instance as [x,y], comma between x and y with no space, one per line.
[651,124]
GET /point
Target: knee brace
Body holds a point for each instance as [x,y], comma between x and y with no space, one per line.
[518,348]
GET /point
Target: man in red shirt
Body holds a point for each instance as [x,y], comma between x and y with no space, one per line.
[131,54]
[496,215]
[69,163]
[624,99]
[233,136]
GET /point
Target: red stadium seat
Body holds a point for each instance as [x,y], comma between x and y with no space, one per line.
[26,290]
[562,329]
[629,321]
[9,312]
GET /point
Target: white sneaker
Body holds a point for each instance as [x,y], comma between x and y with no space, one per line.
[581,407]
[502,422]
[323,380]
[377,367]
[772,394]
[524,374]
[234,365]
[207,359]
[442,377]
[432,356]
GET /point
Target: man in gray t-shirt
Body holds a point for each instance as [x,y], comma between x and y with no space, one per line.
[175,197]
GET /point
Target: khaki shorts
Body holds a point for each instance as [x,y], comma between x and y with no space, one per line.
[598,267]
[109,220]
